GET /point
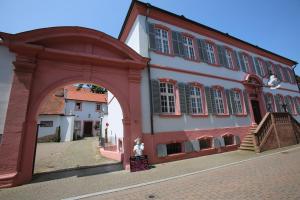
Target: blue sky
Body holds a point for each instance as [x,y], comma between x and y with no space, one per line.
[270,24]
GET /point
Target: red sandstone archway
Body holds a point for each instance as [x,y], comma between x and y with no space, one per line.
[51,57]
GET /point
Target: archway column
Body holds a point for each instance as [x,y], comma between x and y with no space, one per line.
[14,130]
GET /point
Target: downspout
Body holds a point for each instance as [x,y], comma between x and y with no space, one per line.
[149,73]
[295,77]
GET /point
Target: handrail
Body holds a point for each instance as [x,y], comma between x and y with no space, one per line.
[263,128]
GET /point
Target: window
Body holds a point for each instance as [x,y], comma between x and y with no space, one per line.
[280,102]
[290,105]
[247,63]
[211,53]
[205,143]
[189,47]
[77,125]
[167,98]
[98,107]
[229,58]
[196,100]
[238,102]
[78,106]
[173,148]
[261,66]
[219,101]
[162,41]
[228,139]
[270,103]
[46,124]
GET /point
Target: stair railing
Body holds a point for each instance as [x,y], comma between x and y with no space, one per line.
[263,128]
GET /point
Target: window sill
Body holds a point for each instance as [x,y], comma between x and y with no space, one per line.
[241,115]
[192,60]
[170,115]
[175,155]
[199,115]
[165,54]
[215,65]
[222,115]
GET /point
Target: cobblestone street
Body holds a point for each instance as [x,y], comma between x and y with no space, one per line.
[233,175]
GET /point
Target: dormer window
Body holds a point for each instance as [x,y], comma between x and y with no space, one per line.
[189,47]
[162,40]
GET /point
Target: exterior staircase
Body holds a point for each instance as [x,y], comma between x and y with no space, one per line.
[248,141]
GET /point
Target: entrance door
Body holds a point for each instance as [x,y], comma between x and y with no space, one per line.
[256,111]
[87,129]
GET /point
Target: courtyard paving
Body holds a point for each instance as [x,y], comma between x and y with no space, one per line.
[233,175]
[54,156]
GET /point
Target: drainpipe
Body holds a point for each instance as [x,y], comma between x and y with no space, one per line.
[149,74]
[295,77]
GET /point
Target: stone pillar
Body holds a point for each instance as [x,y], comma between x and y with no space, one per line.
[16,122]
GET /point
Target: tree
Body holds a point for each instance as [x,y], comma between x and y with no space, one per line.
[93,88]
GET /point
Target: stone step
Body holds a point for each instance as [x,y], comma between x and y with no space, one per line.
[247,142]
[247,148]
[247,145]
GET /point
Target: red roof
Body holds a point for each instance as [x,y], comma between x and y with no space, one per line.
[84,94]
[53,104]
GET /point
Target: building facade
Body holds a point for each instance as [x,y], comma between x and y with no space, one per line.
[202,86]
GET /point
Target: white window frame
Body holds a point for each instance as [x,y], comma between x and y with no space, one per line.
[196,100]
[237,98]
[167,97]
[98,104]
[162,40]
[189,46]
[229,58]
[211,53]
[219,101]
[246,62]
[76,109]
[260,65]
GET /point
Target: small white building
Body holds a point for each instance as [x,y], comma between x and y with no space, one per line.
[74,113]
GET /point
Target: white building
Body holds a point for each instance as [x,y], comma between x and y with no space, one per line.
[77,113]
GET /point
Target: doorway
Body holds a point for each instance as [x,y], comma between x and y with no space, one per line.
[88,129]
[256,111]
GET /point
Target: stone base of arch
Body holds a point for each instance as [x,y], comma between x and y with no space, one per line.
[53,57]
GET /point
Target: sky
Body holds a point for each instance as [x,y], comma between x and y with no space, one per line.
[271,24]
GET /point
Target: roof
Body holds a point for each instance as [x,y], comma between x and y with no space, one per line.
[181,17]
[53,104]
[84,94]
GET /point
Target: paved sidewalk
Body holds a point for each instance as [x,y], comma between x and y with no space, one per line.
[53,156]
[91,183]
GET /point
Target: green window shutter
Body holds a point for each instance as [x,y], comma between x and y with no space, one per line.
[161,150]
[278,107]
[229,102]
[187,98]
[297,105]
[213,103]
[188,147]
[243,67]
[288,103]
[208,100]
[177,42]
[182,97]
[266,102]
[151,33]
[257,68]
[155,97]
[246,101]
[236,60]
[202,50]
[216,143]
[269,67]
[233,104]
[277,71]
[195,144]
[293,79]
[285,74]
[222,56]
